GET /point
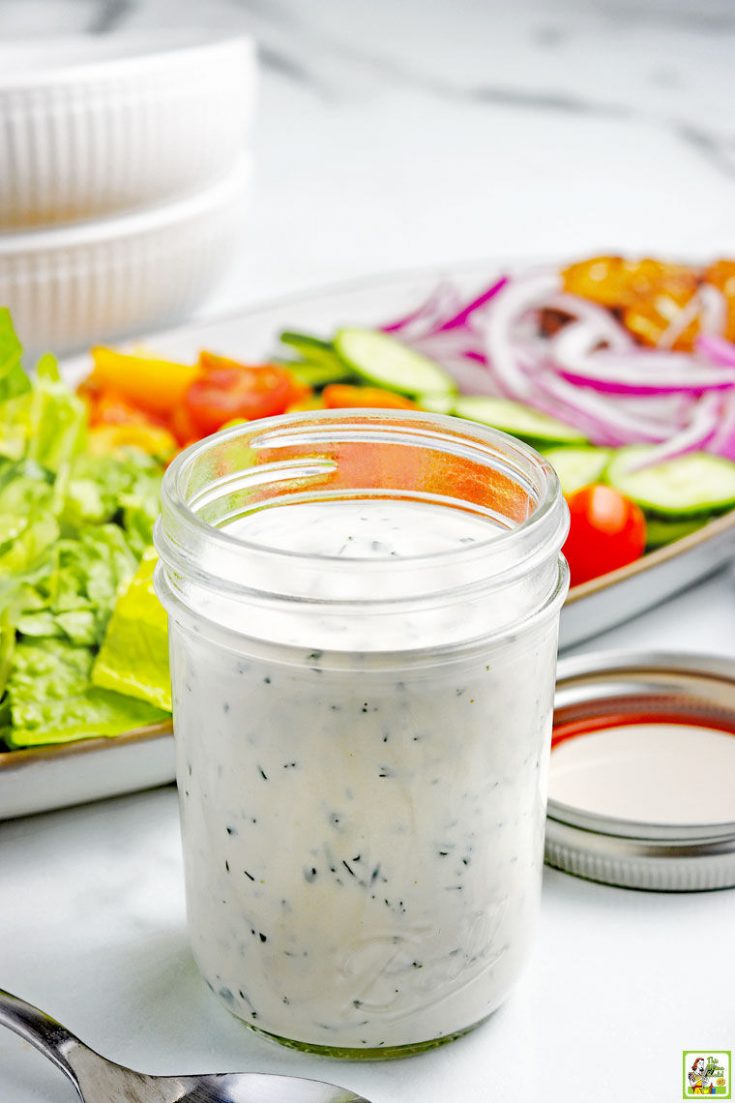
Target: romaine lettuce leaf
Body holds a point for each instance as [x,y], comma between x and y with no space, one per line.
[105,488]
[79,587]
[57,419]
[72,529]
[25,539]
[41,420]
[134,654]
[42,623]
[52,701]
[13,380]
[7,647]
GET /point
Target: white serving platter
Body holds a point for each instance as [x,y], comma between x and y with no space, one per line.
[47,778]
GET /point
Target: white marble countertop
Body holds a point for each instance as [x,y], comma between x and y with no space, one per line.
[394,134]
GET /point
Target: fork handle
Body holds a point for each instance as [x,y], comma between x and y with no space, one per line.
[50,1038]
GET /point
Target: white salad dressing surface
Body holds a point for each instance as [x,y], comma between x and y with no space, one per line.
[405,547]
[651,773]
[363,529]
[363,836]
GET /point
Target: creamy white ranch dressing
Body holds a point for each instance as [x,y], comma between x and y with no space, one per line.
[363,836]
[363,529]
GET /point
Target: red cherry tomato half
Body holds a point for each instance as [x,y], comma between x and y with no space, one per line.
[606,531]
[183,427]
[225,393]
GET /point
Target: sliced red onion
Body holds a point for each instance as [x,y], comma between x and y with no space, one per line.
[471,376]
[631,383]
[672,410]
[462,317]
[599,320]
[457,350]
[456,342]
[717,349]
[443,298]
[695,437]
[591,373]
[640,373]
[610,423]
[575,343]
[595,428]
[506,309]
[723,439]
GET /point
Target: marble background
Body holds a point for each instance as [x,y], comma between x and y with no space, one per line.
[398,133]
[394,134]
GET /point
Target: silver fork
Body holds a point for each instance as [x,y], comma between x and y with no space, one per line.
[98,1080]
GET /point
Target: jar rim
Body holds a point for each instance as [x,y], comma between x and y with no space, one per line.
[436,429]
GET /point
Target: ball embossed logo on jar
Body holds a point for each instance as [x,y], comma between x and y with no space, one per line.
[374,966]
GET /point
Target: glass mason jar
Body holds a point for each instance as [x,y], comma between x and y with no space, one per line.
[363,611]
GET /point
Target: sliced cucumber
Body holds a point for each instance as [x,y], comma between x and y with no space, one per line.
[688,486]
[517,419]
[311,348]
[319,363]
[437,403]
[313,374]
[388,363]
[578,467]
[659,533]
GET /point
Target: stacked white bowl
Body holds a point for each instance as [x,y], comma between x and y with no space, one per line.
[124,168]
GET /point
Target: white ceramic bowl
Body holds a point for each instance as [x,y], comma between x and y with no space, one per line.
[72,285]
[92,126]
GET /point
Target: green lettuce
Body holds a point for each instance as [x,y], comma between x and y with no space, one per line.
[57,419]
[13,380]
[40,420]
[54,585]
[52,700]
[124,488]
[134,654]
[28,527]
[80,585]
[72,530]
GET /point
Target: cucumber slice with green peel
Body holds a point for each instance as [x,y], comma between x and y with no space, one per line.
[316,375]
[659,533]
[578,467]
[437,403]
[305,344]
[386,362]
[518,420]
[688,486]
[313,350]
[319,363]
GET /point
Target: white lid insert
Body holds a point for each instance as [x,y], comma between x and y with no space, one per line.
[642,778]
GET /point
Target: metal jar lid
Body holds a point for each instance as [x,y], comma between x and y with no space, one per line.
[608,690]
